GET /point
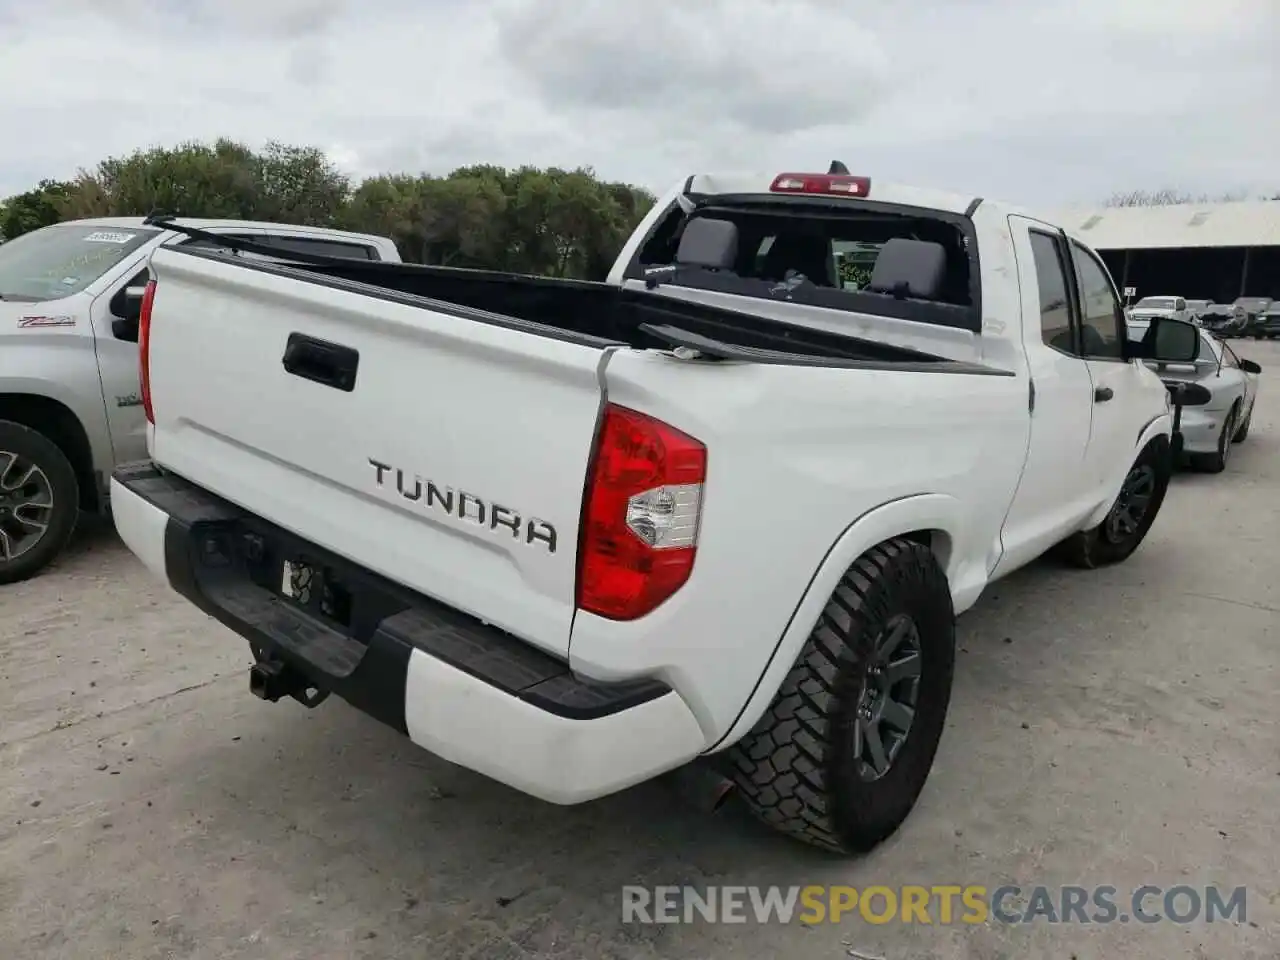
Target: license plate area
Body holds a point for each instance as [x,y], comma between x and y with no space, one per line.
[318,588]
[334,591]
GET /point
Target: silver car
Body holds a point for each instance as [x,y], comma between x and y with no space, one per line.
[1221,388]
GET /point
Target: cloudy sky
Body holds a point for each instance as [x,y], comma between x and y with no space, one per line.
[1035,101]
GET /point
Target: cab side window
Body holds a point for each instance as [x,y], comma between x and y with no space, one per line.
[1102,317]
[1055,302]
[199,244]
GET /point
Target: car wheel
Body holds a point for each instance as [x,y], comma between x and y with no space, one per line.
[1134,511]
[841,755]
[1242,433]
[39,501]
[1216,462]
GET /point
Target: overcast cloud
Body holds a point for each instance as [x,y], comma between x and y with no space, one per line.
[1037,101]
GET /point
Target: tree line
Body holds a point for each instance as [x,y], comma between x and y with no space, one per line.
[564,223]
[1170,197]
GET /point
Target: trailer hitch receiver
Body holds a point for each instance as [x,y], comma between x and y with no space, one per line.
[274,679]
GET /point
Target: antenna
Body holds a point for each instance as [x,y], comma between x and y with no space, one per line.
[838,168]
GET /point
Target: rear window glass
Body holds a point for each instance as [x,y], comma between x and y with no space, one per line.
[61,260]
[812,257]
[322,247]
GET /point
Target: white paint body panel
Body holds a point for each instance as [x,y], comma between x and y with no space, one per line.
[808,467]
[83,365]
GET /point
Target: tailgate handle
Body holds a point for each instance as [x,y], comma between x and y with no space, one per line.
[321,361]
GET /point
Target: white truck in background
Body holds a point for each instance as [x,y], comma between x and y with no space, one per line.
[1176,308]
[721,508]
[70,408]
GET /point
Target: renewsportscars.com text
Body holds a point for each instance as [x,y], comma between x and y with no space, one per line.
[941,904]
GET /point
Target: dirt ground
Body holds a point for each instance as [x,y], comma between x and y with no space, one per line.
[1108,728]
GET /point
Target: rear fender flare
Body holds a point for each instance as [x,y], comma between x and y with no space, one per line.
[1160,426]
[937,513]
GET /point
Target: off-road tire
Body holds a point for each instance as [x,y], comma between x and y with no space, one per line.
[35,447]
[797,768]
[1093,548]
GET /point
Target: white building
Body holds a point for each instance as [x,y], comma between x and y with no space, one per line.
[1209,251]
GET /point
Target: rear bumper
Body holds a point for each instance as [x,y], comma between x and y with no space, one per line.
[1200,429]
[455,686]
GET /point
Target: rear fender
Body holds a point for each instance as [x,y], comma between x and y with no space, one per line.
[1161,426]
[942,517]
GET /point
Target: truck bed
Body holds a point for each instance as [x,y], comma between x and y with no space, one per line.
[608,314]
[439,427]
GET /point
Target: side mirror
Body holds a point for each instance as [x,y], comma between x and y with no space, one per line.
[1170,341]
[1248,366]
[126,312]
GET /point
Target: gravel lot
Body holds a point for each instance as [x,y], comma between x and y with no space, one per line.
[1116,727]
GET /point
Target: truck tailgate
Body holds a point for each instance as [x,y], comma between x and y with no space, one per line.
[446,453]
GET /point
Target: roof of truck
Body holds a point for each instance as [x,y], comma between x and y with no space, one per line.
[756,183]
[882,191]
[219,224]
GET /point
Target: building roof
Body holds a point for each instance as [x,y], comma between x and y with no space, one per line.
[1250,223]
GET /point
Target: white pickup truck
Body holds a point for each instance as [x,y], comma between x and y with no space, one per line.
[721,508]
[70,409]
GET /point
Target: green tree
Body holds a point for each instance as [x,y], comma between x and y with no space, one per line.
[34,209]
[565,223]
[300,185]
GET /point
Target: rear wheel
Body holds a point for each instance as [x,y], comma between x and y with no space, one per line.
[1216,462]
[1242,432]
[39,501]
[840,757]
[1131,516]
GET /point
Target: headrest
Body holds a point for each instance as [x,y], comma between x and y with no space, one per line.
[707,242]
[909,268]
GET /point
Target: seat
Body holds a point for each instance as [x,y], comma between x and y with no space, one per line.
[805,253]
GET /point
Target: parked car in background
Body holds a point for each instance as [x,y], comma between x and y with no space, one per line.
[70,404]
[1225,319]
[1247,309]
[1268,323]
[1217,402]
[1254,309]
[1175,308]
[1196,309]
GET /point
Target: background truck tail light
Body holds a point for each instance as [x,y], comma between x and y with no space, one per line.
[640,515]
[840,185]
[144,349]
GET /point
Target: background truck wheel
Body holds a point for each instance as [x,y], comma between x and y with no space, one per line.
[841,755]
[39,501]
[1131,516]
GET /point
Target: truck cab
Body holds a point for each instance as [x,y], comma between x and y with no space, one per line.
[70,298]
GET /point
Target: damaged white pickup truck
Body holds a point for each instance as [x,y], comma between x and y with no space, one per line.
[723,507]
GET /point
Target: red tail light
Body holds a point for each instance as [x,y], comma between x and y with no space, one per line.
[640,516]
[834,184]
[144,348]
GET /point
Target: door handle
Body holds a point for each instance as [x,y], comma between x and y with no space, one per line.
[1102,394]
[320,361]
